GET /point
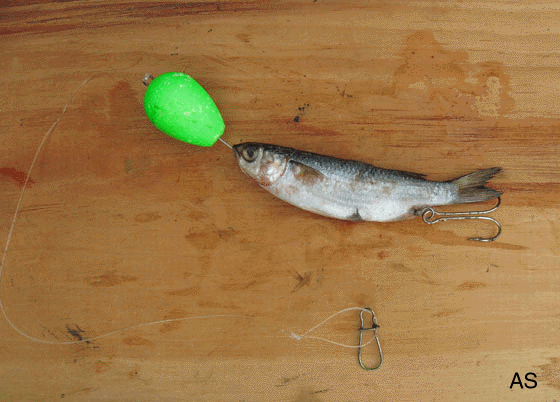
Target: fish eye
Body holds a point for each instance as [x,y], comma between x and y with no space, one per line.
[249,154]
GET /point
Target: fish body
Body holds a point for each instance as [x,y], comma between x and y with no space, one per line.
[354,190]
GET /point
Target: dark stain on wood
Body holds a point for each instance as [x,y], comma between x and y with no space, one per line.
[16,175]
[109,279]
[302,280]
[147,217]
[75,332]
[446,83]
[137,341]
[33,20]
[550,373]
[471,285]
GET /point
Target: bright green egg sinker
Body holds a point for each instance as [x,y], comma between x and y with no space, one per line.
[177,105]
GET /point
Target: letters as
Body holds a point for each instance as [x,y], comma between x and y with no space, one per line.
[530,378]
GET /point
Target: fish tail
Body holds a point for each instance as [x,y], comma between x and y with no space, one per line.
[472,186]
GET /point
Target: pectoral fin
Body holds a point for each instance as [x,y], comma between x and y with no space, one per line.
[305,174]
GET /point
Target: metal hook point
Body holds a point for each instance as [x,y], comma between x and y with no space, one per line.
[429,216]
[374,326]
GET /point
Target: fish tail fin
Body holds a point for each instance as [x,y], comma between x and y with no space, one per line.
[472,186]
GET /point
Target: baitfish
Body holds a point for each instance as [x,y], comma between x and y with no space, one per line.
[354,190]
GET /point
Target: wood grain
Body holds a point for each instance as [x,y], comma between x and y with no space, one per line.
[122,225]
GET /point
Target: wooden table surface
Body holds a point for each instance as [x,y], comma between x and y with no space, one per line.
[122,225]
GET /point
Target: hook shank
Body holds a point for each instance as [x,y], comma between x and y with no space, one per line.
[429,216]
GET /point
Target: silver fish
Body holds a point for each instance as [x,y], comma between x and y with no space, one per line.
[353,190]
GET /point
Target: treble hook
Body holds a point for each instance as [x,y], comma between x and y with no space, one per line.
[429,214]
[373,328]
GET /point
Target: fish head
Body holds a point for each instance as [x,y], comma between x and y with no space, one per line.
[260,162]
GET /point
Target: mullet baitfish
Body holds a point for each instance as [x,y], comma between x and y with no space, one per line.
[353,190]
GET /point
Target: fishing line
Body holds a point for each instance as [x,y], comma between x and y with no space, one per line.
[297,337]
[20,200]
[225,143]
[146,324]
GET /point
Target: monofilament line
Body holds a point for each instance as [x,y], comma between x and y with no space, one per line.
[343,345]
[20,200]
[225,143]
